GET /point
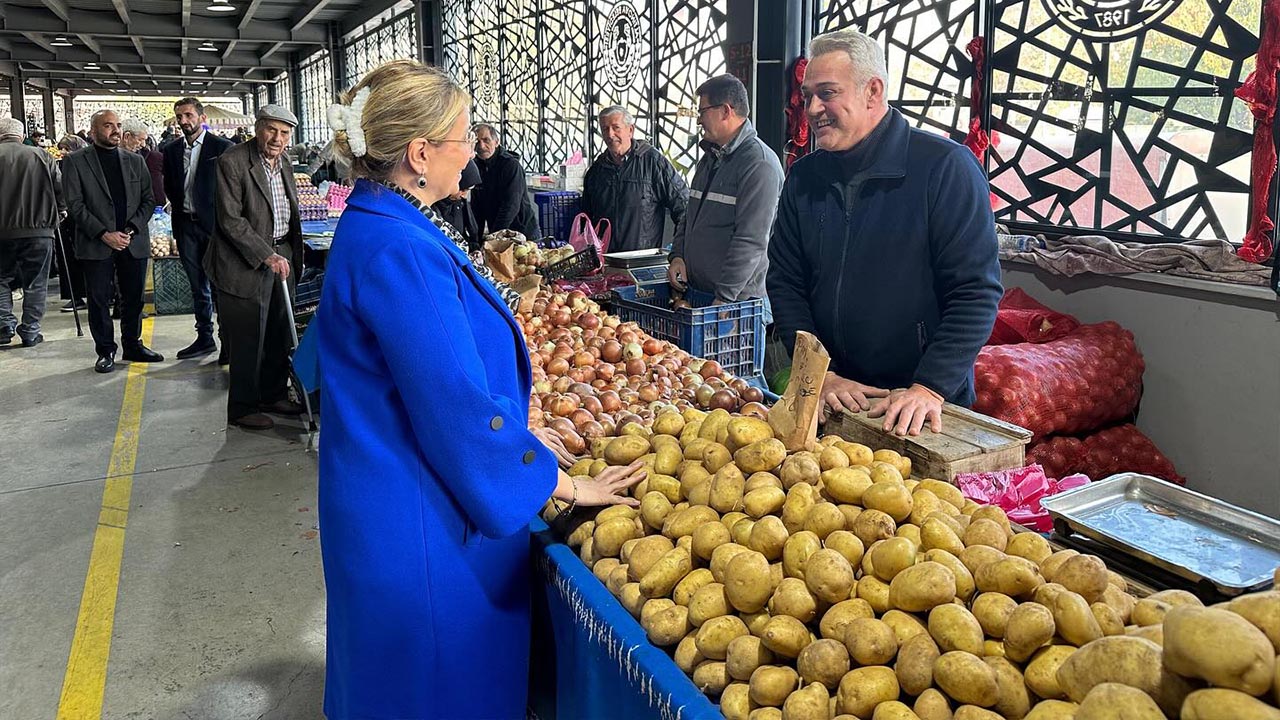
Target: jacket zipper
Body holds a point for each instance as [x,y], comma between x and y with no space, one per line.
[922,335]
[844,258]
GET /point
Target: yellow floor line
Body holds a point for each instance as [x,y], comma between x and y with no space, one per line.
[85,681]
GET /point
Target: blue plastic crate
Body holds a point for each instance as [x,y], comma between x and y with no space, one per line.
[731,334]
[556,211]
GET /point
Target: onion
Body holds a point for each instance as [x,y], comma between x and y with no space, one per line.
[582,358]
[702,395]
[724,399]
[581,417]
[611,351]
[710,369]
[632,350]
[610,401]
[652,346]
[755,409]
[752,394]
[635,367]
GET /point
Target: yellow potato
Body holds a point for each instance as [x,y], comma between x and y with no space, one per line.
[993,611]
[905,625]
[1224,704]
[625,449]
[1120,601]
[862,689]
[1218,646]
[707,602]
[801,467]
[933,705]
[945,491]
[965,585]
[744,654]
[936,534]
[1127,660]
[743,431]
[875,591]
[976,557]
[858,453]
[832,457]
[986,532]
[1029,627]
[870,641]
[692,583]
[808,703]
[727,487]
[764,501]
[617,578]
[794,599]
[965,678]
[973,712]
[711,677]
[1074,619]
[771,684]
[892,556]
[762,456]
[686,655]
[796,552]
[666,572]
[714,636]
[914,666]
[922,587]
[829,576]
[1029,545]
[1154,633]
[1012,576]
[721,557]
[953,627]
[680,523]
[923,504]
[894,710]
[847,544]
[1042,671]
[740,533]
[667,626]
[735,701]
[1049,566]
[1113,701]
[1053,710]
[800,498]
[837,618]
[823,519]
[885,472]
[748,581]
[891,498]
[631,598]
[1085,575]
[824,662]
[1012,698]
[768,537]
[872,526]
[1263,610]
[611,534]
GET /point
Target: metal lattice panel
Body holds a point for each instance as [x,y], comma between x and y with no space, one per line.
[1136,135]
[519,87]
[924,42]
[486,66]
[314,78]
[393,40]
[621,57]
[690,50]
[566,123]
[453,27]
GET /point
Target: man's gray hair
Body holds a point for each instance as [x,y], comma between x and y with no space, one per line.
[12,127]
[865,53]
[493,131]
[616,110]
[134,127]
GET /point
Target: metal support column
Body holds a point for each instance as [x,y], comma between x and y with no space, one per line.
[71,113]
[50,113]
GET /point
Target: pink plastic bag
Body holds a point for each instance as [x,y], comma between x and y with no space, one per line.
[1018,492]
[582,234]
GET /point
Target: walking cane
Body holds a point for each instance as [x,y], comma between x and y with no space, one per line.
[302,390]
[66,275]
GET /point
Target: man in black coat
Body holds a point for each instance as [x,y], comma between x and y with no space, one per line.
[190,176]
[108,194]
[501,200]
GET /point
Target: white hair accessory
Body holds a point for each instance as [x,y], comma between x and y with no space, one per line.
[346,118]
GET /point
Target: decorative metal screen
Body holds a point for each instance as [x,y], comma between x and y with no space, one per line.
[1107,115]
[284,92]
[315,78]
[562,60]
[60,119]
[621,56]
[519,85]
[260,95]
[690,51]
[396,39]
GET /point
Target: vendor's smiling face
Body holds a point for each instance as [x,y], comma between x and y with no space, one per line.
[842,107]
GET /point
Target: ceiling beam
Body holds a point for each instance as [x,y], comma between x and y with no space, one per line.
[137,45]
[36,39]
[248,14]
[306,16]
[186,14]
[231,46]
[271,51]
[59,8]
[367,12]
[18,20]
[158,56]
[122,11]
[90,43]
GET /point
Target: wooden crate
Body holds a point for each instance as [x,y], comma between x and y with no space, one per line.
[969,442]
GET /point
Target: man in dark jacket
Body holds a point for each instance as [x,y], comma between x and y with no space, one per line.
[501,201]
[722,245]
[190,177]
[631,184]
[30,204]
[884,247]
[134,138]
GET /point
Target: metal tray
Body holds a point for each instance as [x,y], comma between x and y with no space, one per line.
[636,258]
[1194,536]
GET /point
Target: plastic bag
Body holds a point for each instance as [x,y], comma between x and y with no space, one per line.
[582,233]
[1018,492]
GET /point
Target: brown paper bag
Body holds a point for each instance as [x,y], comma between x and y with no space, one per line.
[528,287]
[794,417]
[500,256]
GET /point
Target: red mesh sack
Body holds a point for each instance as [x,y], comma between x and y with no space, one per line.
[1073,385]
[1021,318]
[1115,450]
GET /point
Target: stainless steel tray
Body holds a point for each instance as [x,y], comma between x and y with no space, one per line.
[1191,535]
[636,258]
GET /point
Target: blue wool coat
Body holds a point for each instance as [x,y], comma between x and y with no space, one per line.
[428,475]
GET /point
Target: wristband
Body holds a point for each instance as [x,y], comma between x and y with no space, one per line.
[573,501]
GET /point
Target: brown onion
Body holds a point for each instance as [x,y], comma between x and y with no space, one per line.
[755,409]
[724,399]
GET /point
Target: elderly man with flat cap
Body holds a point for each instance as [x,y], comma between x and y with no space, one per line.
[257,241]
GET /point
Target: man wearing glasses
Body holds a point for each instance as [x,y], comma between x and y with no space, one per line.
[721,246]
[501,201]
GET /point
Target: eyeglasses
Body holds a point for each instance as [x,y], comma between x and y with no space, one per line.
[470,139]
[701,111]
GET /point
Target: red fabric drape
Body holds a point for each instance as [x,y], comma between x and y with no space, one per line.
[1259,92]
[797,121]
[978,140]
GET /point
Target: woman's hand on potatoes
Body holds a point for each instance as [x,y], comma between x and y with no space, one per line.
[553,442]
[610,486]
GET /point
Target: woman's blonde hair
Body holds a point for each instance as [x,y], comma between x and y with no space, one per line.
[407,100]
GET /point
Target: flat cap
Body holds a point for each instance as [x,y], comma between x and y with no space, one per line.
[277,112]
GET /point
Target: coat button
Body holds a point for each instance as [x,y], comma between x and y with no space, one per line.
[496,423]
[529,456]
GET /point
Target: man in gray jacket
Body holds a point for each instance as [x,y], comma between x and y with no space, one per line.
[30,205]
[721,247]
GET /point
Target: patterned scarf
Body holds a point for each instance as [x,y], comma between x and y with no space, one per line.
[509,296]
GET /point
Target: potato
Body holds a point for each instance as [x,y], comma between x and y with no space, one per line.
[893,499]
[617,578]
[832,457]
[870,641]
[892,556]
[875,591]
[761,456]
[768,537]
[721,557]
[1053,710]
[715,635]
[872,526]
[847,544]
[793,598]
[1120,601]
[796,552]
[905,625]
[1073,619]
[1012,699]
[707,602]
[735,701]
[666,572]
[914,667]
[756,621]
[694,581]
[945,491]
[707,537]
[726,489]
[631,598]
[1127,660]
[1029,545]
[686,655]
[1263,610]
[829,576]
[936,534]
[748,582]
[771,684]
[933,705]
[835,619]
[823,519]
[580,534]
[965,678]
[786,636]
[976,557]
[1041,673]
[859,455]
[1108,619]
[992,648]
[808,703]
[923,504]
[894,710]
[713,423]
[683,522]
[965,585]
[667,626]
[711,678]
[1085,575]
[1012,576]
[800,498]
[692,474]
[1218,646]
[910,532]
[953,627]
[885,472]
[765,713]
[846,484]
[1113,701]
[625,449]
[744,654]
[1049,566]
[993,611]
[922,587]
[1154,633]
[763,501]
[611,534]
[1225,704]
[973,712]
[986,532]
[759,480]
[654,508]
[1177,597]
[1149,611]
[823,661]
[741,531]
[644,553]
[862,689]
[744,431]
[1030,626]
[801,467]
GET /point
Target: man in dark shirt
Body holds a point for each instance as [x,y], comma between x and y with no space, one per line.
[501,200]
[108,194]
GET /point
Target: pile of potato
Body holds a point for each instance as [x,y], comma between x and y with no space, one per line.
[832,584]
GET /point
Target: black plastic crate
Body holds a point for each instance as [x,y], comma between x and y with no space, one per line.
[731,334]
[576,265]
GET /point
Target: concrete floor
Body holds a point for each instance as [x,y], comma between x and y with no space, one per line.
[220,607]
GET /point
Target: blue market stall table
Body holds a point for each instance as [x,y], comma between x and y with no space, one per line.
[590,658]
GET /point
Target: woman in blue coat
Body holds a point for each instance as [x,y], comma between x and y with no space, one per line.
[428,473]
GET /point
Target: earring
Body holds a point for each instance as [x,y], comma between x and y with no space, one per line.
[422,182]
